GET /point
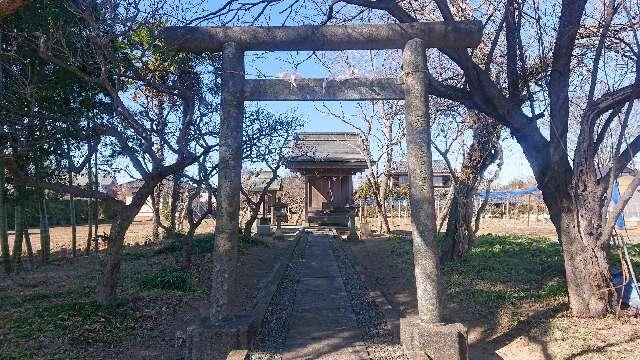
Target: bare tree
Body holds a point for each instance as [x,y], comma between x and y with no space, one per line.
[530,75]
[267,151]
[575,195]
[293,196]
[375,124]
[484,150]
[120,72]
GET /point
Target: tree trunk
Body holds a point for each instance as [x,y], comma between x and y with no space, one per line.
[19,227]
[382,215]
[577,217]
[155,204]
[87,248]
[106,291]
[388,155]
[74,228]
[4,231]
[27,241]
[72,206]
[175,201]
[44,228]
[187,242]
[96,214]
[459,236]
[484,150]
[246,230]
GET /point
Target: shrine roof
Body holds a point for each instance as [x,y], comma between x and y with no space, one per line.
[259,182]
[327,149]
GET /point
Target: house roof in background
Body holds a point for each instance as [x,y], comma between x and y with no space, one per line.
[339,148]
[400,167]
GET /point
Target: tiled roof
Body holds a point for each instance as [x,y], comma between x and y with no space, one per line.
[327,147]
[259,182]
[439,167]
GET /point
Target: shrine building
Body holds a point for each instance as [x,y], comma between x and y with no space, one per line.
[328,161]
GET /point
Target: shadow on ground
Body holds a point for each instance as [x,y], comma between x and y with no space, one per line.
[509,292]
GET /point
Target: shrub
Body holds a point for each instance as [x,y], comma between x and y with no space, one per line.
[167,279]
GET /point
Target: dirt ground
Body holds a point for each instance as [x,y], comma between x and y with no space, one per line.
[139,233]
[504,321]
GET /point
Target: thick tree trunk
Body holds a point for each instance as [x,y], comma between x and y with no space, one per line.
[19,227]
[578,223]
[4,231]
[587,270]
[44,228]
[106,292]
[484,150]
[460,235]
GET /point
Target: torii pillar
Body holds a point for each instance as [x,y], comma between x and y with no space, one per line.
[424,336]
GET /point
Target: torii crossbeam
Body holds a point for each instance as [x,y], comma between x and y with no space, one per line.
[426,334]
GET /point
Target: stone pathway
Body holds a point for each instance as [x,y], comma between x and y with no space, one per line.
[322,324]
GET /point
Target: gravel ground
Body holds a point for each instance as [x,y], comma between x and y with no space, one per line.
[272,336]
[380,340]
[377,335]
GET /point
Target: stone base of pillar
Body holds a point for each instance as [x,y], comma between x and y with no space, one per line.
[365,230]
[422,340]
[278,235]
[263,230]
[213,341]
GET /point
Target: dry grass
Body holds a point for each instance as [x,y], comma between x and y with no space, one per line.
[139,233]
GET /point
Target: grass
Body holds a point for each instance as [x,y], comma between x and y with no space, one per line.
[50,312]
[64,317]
[10,352]
[500,270]
[204,243]
[167,279]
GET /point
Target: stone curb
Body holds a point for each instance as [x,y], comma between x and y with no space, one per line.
[204,339]
[268,289]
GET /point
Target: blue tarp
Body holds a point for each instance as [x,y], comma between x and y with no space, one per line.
[630,295]
[615,197]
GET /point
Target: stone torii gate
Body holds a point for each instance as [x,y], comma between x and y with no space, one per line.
[424,335]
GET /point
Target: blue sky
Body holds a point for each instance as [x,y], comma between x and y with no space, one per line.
[270,64]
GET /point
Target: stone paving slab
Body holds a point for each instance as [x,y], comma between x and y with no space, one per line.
[322,323]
